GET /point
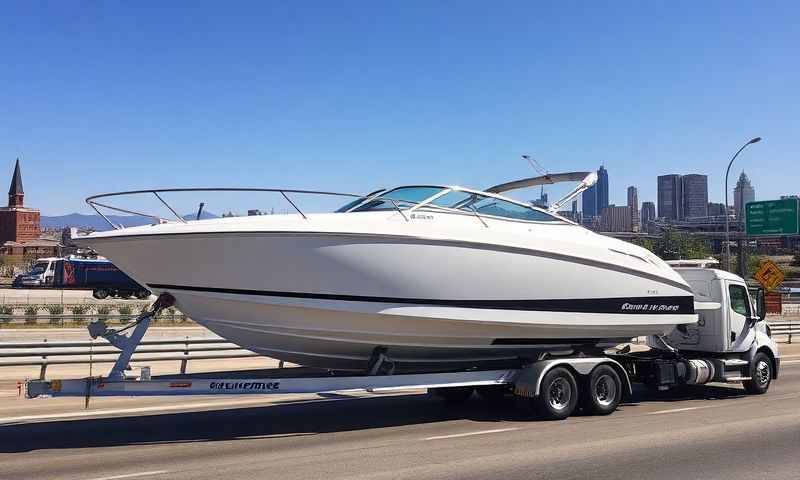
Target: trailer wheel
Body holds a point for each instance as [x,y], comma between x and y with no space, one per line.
[558,395]
[125,294]
[100,293]
[452,395]
[142,294]
[761,375]
[602,391]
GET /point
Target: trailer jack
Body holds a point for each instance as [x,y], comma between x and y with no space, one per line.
[128,343]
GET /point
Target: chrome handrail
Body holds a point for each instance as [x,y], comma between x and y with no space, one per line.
[92,201]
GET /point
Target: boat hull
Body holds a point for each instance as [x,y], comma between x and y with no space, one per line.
[329,299]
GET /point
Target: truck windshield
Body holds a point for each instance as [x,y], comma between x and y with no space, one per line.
[39,268]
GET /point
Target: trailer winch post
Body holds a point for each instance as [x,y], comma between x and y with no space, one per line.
[128,344]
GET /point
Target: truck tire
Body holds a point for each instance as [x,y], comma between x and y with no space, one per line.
[558,395]
[124,294]
[452,395]
[760,374]
[100,293]
[142,294]
[602,391]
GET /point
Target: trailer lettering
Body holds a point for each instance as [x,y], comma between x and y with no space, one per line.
[261,386]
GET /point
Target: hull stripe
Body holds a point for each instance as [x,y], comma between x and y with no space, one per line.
[663,305]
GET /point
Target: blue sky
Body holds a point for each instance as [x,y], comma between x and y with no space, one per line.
[352,96]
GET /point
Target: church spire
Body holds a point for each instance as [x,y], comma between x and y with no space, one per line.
[15,192]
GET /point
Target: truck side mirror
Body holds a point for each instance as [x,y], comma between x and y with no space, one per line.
[761,304]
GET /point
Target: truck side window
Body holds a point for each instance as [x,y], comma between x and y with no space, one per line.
[739,300]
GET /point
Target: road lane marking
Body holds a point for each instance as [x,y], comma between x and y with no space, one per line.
[469,434]
[675,410]
[164,408]
[132,475]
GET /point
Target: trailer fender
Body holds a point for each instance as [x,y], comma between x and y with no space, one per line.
[528,381]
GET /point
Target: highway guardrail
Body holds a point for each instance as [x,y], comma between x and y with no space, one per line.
[788,328]
[15,354]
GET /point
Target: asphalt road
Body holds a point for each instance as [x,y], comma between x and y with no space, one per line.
[712,432]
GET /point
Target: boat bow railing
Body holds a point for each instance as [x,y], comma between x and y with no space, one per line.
[97,205]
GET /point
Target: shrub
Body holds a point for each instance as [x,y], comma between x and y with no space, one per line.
[103,310]
[30,313]
[80,309]
[6,310]
[55,309]
[125,309]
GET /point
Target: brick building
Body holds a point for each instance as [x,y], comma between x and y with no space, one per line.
[20,227]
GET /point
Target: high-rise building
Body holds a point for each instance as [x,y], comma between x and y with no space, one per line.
[695,196]
[633,204]
[648,214]
[595,198]
[541,201]
[670,197]
[615,219]
[715,209]
[742,194]
[602,188]
[589,203]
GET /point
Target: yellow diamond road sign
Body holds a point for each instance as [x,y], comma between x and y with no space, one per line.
[769,275]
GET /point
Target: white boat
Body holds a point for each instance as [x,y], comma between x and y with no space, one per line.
[434,277]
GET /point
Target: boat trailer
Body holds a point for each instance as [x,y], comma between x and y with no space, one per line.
[456,385]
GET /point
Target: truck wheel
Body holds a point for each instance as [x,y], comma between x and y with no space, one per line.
[100,293]
[558,395]
[452,395]
[761,374]
[602,391]
[142,294]
[125,294]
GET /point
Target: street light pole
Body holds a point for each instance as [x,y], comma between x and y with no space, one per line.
[727,220]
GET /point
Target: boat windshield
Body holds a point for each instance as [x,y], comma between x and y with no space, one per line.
[403,197]
[453,199]
[486,205]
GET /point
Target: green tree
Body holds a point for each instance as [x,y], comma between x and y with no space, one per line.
[676,245]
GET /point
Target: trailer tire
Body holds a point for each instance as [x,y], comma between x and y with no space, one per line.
[142,294]
[760,374]
[100,293]
[558,395]
[602,391]
[452,395]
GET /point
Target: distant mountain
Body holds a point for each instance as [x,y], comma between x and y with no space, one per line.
[97,223]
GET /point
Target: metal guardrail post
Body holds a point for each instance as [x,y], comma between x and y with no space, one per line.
[43,369]
[185,355]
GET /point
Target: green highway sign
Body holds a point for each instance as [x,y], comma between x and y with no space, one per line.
[772,217]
